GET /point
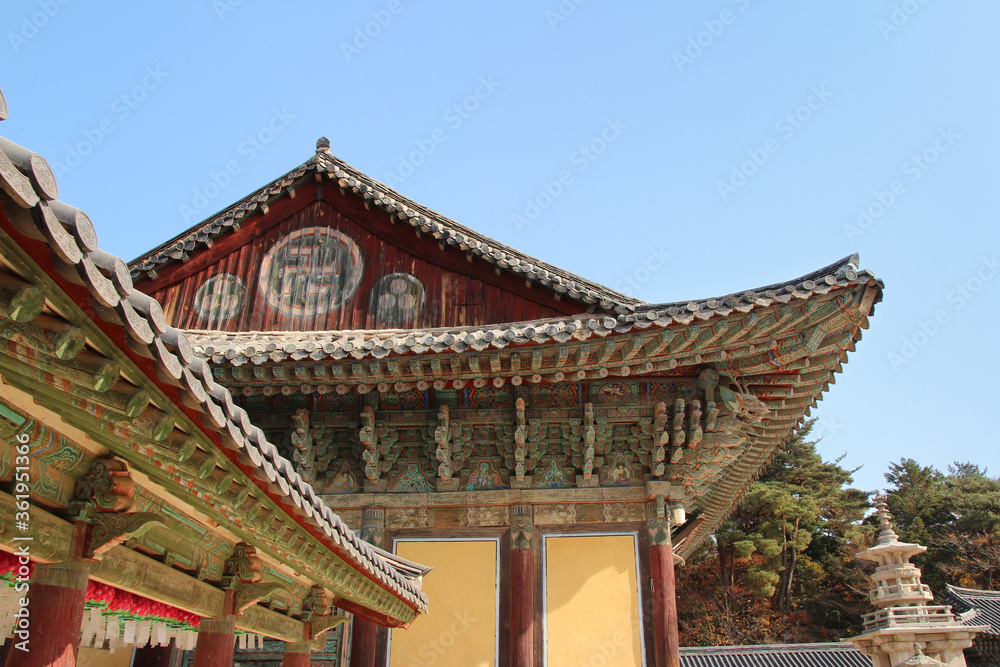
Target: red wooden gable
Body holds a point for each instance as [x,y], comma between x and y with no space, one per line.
[322,261]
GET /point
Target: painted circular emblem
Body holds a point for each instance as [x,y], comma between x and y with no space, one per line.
[219,298]
[311,271]
[615,392]
[396,300]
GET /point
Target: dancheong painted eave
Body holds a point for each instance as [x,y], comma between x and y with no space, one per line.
[49,248]
[783,343]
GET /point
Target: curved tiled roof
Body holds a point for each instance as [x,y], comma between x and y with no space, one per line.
[986,604]
[775,655]
[643,337]
[72,242]
[258,347]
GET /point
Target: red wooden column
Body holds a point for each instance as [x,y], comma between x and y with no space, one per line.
[364,642]
[666,643]
[217,638]
[55,607]
[522,587]
[364,633]
[297,654]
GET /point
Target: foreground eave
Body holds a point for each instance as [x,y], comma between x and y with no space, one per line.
[53,246]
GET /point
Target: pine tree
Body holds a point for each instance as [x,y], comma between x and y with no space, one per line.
[800,508]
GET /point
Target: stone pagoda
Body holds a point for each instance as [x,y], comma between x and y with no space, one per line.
[904,629]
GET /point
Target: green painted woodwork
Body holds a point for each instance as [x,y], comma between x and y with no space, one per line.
[154,450]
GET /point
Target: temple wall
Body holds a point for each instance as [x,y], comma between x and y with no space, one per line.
[462,629]
[592,610]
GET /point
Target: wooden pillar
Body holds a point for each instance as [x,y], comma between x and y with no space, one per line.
[666,643]
[55,607]
[364,642]
[297,654]
[364,633]
[217,638]
[522,587]
[157,656]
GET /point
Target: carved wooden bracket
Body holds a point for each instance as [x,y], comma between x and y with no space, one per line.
[657,523]
[107,485]
[316,603]
[328,622]
[107,530]
[522,527]
[320,624]
[442,442]
[373,525]
[247,594]
[304,454]
[244,565]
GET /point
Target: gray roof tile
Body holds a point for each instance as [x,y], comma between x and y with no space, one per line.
[775,655]
[986,604]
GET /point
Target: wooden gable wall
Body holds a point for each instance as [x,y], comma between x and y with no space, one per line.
[321,261]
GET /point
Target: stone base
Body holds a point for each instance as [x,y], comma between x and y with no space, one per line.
[377,486]
[892,646]
[522,484]
[447,484]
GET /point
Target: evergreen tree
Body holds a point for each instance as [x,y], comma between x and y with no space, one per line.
[783,567]
[799,510]
[957,515]
[968,546]
[916,500]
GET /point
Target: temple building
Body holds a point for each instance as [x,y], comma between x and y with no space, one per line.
[548,445]
[327,359]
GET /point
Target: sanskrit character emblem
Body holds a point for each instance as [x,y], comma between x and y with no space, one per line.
[219,298]
[311,271]
[396,300]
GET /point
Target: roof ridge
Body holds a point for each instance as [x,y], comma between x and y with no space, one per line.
[295,172]
[771,648]
[978,592]
[459,229]
[400,207]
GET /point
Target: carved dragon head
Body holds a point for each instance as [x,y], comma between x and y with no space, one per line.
[743,405]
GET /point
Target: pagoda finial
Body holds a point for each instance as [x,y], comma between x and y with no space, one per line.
[322,145]
[886,533]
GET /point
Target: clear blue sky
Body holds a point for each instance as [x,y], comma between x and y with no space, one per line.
[740,137]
